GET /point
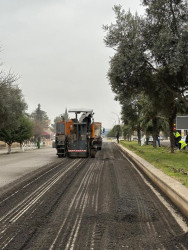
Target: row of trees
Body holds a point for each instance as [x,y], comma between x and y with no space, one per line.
[149,69]
[15,124]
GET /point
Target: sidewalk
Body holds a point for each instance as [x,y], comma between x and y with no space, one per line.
[16,165]
[18,149]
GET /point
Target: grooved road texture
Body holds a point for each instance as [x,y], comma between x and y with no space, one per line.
[100,203]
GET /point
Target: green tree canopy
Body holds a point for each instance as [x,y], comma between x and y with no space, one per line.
[18,133]
[150,56]
[114,130]
[40,122]
[165,35]
[24,130]
[12,107]
[12,104]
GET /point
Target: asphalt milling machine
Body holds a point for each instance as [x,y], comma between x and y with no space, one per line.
[78,137]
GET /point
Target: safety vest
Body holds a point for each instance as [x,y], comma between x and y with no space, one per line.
[176,134]
[183,144]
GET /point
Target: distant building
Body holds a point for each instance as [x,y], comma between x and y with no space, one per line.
[47,134]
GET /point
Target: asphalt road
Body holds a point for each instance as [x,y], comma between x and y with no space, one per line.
[101,203]
[19,163]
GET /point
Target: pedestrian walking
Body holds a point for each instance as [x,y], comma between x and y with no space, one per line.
[158,140]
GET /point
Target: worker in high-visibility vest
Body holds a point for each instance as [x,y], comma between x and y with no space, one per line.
[178,142]
[177,139]
[183,144]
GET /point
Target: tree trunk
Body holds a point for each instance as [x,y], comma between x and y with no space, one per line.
[172,140]
[139,134]
[9,148]
[155,131]
[171,120]
[22,146]
[147,138]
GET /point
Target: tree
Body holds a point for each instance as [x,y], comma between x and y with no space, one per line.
[152,118]
[25,130]
[17,134]
[12,104]
[114,130]
[8,136]
[149,55]
[166,38]
[41,116]
[12,107]
[129,72]
[127,131]
[40,122]
[130,114]
[6,83]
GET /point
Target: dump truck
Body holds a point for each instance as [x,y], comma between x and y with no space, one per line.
[75,138]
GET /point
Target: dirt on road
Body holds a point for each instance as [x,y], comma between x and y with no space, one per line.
[100,203]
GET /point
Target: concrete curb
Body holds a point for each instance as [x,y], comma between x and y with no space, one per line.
[18,150]
[173,189]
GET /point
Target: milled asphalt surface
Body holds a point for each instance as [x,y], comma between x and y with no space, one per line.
[11,169]
[101,203]
[173,189]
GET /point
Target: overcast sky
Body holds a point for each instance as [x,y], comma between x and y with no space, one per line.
[57,49]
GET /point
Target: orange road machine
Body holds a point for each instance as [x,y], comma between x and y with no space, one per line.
[75,138]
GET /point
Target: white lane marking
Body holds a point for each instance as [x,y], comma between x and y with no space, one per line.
[13,194]
[23,202]
[83,204]
[70,207]
[7,241]
[97,182]
[93,238]
[32,202]
[84,201]
[79,223]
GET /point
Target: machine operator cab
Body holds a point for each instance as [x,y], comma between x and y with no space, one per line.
[81,139]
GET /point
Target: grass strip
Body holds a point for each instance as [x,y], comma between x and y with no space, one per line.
[174,165]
